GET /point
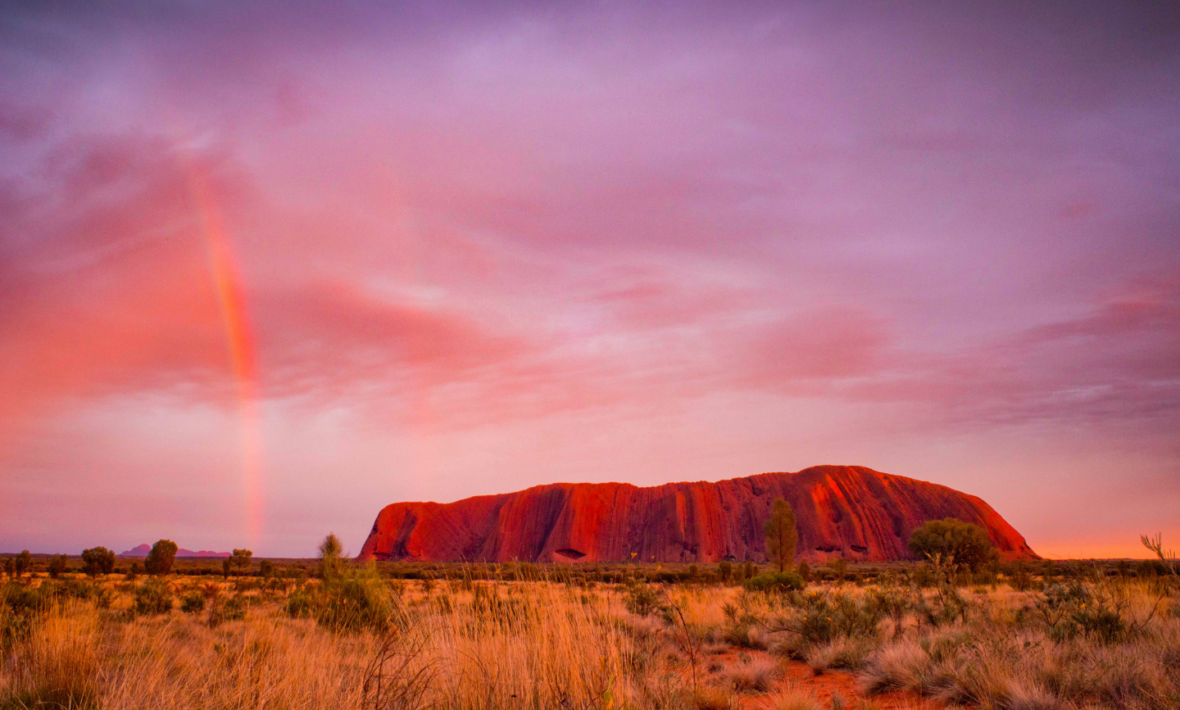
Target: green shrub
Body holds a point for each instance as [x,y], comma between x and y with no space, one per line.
[192,603]
[25,599]
[102,596]
[1093,611]
[57,566]
[642,600]
[1019,577]
[300,604]
[153,597]
[775,582]
[739,635]
[20,607]
[968,545]
[823,616]
[346,603]
[74,589]
[351,604]
[232,609]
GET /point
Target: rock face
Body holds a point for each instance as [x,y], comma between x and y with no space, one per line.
[842,511]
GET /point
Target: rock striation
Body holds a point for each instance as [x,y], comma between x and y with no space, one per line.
[848,512]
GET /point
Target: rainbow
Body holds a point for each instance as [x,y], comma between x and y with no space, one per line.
[240,339]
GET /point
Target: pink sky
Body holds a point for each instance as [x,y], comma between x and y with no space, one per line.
[264,271]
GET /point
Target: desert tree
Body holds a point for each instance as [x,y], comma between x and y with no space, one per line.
[1168,557]
[331,557]
[10,567]
[161,557]
[781,535]
[240,560]
[98,560]
[954,541]
[23,562]
[57,565]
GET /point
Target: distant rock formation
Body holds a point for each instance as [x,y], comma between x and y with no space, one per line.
[144,549]
[846,512]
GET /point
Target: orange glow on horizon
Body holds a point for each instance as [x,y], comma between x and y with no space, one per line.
[240,339]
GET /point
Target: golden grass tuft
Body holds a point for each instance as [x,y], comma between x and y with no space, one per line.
[794,699]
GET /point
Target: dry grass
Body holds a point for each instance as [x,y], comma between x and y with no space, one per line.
[757,675]
[58,665]
[794,699]
[842,653]
[1005,659]
[544,645]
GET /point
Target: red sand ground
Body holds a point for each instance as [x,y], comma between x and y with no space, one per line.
[823,687]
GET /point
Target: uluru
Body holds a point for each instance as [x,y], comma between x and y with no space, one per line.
[848,512]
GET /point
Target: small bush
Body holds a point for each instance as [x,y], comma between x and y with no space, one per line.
[21,607]
[793,699]
[842,653]
[900,666]
[300,604]
[642,600]
[823,616]
[361,600]
[776,582]
[754,677]
[25,599]
[1073,609]
[353,604]
[192,603]
[743,635]
[234,608]
[223,610]
[923,576]
[153,597]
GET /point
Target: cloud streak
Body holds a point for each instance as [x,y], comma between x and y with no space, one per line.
[897,229]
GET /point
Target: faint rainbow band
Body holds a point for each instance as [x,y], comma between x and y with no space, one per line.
[240,339]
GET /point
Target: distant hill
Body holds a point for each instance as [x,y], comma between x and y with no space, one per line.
[848,512]
[144,549]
